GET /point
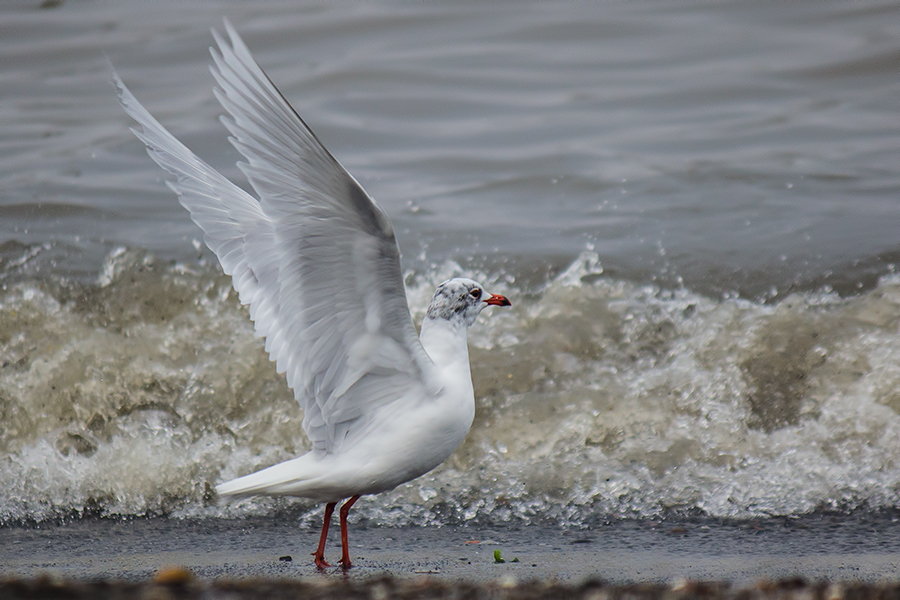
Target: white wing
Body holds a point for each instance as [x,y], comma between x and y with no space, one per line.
[315,258]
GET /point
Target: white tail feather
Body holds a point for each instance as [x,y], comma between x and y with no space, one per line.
[291,477]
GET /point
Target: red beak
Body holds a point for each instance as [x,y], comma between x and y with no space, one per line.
[498,300]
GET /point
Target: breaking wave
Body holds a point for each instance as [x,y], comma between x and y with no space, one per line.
[136,393]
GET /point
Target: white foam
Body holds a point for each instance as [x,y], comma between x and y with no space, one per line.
[597,398]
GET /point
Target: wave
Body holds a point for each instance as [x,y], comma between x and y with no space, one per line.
[135,393]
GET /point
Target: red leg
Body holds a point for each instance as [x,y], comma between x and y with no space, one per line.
[319,554]
[345,548]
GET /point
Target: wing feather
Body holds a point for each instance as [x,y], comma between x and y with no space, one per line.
[315,257]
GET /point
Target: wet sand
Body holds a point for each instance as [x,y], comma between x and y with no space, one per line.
[385,588]
[244,558]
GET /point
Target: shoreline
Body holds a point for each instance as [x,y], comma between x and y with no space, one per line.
[857,549]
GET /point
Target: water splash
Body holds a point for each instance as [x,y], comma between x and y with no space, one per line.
[596,398]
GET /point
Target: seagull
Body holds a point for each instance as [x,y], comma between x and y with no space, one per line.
[315,259]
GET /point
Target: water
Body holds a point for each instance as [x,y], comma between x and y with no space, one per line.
[852,549]
[691,205]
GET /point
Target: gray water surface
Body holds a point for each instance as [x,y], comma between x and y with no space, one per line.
[728,146]
[693,207]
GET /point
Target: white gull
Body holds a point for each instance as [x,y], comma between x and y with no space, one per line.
[316,260]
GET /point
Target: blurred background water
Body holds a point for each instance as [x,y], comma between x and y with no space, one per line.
[693,206]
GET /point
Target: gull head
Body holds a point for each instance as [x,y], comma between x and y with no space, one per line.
[462,300]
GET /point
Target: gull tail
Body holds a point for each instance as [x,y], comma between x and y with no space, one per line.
[295,477]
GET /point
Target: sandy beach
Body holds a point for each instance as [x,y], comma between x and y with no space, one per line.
[431,588]
[255,557]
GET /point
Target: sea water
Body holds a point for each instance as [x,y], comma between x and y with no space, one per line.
[693,207]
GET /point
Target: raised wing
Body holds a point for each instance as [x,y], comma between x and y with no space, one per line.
[315,258]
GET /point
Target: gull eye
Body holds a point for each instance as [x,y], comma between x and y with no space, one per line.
[476,293]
